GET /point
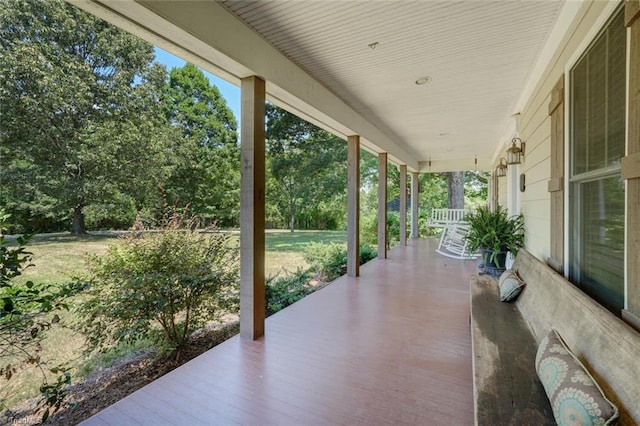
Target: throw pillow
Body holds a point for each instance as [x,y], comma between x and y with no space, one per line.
[510,285]
[575,397]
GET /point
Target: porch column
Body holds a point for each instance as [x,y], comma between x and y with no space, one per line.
[252,210]
[403,205]
[382,205]
[353,206]
[414,204]
[631,169]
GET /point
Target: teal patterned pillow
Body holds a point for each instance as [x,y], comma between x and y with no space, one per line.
[510,285]
[576,398]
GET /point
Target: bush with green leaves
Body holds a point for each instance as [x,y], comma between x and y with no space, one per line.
[163,284]
[27,311]
[369,231]
[284,291]
[329,261]
[495,231]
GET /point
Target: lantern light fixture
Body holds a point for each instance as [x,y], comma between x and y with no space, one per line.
[501,170]
[515,153]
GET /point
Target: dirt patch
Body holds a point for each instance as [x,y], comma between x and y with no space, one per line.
[108,386]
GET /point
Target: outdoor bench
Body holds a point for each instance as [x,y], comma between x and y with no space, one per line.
[505,337]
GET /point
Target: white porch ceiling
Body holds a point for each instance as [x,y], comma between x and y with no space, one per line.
[477,54]
[316,58]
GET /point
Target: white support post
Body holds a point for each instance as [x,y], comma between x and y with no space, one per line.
[382,205]
[414,205]
[252,209]
[353,206]
[403,205]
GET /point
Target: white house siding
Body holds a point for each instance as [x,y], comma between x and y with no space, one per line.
[535,201]
[536,132]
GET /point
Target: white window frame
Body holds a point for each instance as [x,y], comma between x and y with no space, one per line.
[607,13]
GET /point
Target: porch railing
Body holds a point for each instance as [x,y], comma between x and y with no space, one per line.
[442,217]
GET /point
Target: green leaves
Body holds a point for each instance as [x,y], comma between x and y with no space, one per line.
[24,316]
[329,261]
[95,130]
[495,231]
[171,281]
[307,169]
[206,169]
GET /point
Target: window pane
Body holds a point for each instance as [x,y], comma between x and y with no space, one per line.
[596,91]
[616,85]
[600,269]
[598,86]
[579,122]
[597,123]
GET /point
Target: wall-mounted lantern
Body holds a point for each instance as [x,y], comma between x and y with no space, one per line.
[501,170]
[515,154]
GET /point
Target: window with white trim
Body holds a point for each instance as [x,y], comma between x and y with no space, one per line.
[596,189]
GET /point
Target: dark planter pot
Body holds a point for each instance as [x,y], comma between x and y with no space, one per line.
[494,267]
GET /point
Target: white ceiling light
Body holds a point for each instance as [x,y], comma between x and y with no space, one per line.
[423,80]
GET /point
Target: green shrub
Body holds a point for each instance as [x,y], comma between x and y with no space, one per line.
[282,292]
[172,281]
[369,228]
[26,312]
[329,261]
[393,227]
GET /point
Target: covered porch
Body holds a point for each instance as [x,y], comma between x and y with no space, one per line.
[390,347]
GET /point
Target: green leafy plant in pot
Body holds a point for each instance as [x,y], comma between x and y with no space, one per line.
[494,234]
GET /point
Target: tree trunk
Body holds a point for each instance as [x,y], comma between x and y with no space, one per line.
[292,221]
[455,186]
[77,227]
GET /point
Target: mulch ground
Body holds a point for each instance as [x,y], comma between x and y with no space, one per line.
[108,386]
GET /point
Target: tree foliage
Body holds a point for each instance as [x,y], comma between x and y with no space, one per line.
[81,118]
[174,280]
[308,170]
[206,174]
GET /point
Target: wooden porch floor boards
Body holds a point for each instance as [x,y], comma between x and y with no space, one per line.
[391,347]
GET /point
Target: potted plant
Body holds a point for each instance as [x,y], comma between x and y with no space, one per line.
[494,234]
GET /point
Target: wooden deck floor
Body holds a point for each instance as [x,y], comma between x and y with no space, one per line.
[391,347]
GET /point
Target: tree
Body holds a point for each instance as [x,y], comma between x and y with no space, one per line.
[455,185]
[80,107]
[207,166]
[309,168]
[476,189]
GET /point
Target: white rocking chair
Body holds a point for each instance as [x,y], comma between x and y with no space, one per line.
[452,242]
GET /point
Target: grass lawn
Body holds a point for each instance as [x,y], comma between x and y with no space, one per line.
[285,248]
[57,258]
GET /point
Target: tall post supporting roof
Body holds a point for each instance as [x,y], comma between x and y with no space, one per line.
[403,205]
[382,205]
[414,205]
[252,209]
[353,209]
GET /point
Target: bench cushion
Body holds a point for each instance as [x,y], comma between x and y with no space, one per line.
[510,285]
[506,387]
[575,396]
